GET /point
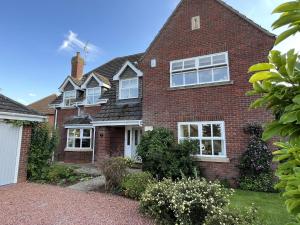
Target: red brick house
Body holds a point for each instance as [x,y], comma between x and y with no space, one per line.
[192,79]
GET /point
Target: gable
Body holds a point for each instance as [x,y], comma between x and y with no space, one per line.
[217,20]
[92,83]
[69,87]
[128,73]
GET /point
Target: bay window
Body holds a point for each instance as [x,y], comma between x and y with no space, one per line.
[79,139]
[210,136]
[69,97]
[129,88]
[93,95]
[200,70]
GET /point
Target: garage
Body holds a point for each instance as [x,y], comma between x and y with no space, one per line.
[15,135]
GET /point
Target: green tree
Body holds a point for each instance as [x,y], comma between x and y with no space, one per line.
[278,85]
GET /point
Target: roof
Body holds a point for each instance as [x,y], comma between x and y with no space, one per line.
[12,110]
[42,105]
[223,3]
[83,120]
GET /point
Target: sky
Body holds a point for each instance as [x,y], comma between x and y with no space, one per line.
[38,38]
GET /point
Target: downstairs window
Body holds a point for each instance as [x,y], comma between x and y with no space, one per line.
[79,139]
[210,135]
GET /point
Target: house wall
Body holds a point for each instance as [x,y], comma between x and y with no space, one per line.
[221,30]
[25,146]
[63,115]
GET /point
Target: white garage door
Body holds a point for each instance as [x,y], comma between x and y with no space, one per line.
[10,142]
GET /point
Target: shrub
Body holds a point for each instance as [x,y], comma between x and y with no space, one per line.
[135,184]
[61,174]
[163,157]
[186,201]
[263,182]
[114,170]
[41,151]
[234,217]
[255,165]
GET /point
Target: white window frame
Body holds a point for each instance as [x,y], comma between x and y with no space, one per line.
[81,138]
[200,136]
[120,88]
[93,95]
[74,95]
[198,68]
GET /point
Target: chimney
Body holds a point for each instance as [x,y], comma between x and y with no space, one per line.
[77,66]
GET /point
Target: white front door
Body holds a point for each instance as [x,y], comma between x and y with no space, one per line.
[132,139]
[10,144]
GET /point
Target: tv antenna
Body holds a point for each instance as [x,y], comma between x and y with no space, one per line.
[86,51]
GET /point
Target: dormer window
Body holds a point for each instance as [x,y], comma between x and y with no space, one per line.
[93,95]
[129,88]
[69,97]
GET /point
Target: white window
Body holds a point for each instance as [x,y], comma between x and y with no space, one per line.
[211,137]
[93,95]
[200,70]
[79,139]
[129,88]
[69,97]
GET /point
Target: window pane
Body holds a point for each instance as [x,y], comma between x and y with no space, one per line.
[177,65]
[205,76]
[86,143]
[218,147]
[71,143]
[194,130]
[128,137]
[220,74]
[90,100]
[125,83]
[184,131]
[72,132]
[77,143]
[125,93]
[136,137]
[206,130]
[189,64]
[86,132]
[216,130]
[206,147]
[134,93]
[205,61]
[191,78]
[177,79]
[134,83]
[219,59]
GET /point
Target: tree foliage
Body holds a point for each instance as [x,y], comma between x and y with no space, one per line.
[278,85]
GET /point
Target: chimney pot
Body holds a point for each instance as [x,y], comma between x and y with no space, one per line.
[77,66]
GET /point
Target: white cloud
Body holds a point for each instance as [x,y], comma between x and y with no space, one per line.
[32,94]
[22,101]
[72,43]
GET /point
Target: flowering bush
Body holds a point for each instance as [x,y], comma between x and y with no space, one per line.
[186,201]
[135,184]
[234,217]
[255,165]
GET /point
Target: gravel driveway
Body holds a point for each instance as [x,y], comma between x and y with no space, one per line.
[33,204]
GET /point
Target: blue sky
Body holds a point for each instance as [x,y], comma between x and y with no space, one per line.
[38,38]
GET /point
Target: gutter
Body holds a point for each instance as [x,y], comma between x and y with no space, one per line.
[24,117]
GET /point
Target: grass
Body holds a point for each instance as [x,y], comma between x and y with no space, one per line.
[271,208]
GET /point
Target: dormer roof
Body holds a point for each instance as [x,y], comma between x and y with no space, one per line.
[124,67]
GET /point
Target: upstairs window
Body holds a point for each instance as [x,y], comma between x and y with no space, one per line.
[79,139]
[200,70]
[210,136]
[69,97]
[129,88]
[93,95]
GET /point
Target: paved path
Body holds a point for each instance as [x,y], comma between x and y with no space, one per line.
[34,204]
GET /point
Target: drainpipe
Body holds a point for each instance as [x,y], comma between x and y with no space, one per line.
[55,119]
[94,141]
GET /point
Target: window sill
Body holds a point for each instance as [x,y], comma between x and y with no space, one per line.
[203,85]
[78,150]
[211,159]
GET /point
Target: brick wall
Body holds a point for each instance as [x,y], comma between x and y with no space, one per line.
[25,145]
[221,30]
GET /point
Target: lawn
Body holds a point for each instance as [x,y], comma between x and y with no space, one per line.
[271,208]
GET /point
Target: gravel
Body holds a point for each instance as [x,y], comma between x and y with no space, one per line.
[34,204]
